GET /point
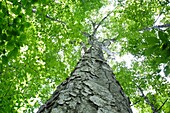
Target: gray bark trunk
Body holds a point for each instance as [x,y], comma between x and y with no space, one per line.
[91,88]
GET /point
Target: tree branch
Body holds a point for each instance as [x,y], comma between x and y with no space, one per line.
[7,11]
[56,20]
[147,100]
[95,30]
[91,36]
[135,103]
[159,15]
[49,17]
[161,26]
[157,27]
[162,105]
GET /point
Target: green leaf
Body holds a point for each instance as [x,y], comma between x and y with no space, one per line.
[149,50]
[14,10]
[10,45]
[167,70]
[1,69]
[3,36]
[18,10]
[4,60]
[15,21]
[13,53]
[4,9]
[163,36]
[27,24]
[2,43]
[22,37]
[152,40]
[15,32]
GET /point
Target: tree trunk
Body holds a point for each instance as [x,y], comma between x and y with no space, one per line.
[91,88]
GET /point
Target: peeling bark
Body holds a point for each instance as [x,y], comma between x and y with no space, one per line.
[91,88]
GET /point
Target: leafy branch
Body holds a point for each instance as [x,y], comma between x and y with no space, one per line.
[157,27]
[49,17]
[7,11]
[159,15]
[135,103]
[56,20]
[147,100]
[162,105]
[154,110]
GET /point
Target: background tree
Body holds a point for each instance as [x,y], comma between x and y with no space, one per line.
[40,46]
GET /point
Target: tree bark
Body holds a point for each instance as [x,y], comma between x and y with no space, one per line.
[91,88]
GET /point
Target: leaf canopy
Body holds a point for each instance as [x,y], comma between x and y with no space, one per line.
[40,44]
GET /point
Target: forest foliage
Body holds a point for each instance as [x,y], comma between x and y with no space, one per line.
[41,42]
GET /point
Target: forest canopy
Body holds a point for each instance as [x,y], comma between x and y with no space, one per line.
[41,42]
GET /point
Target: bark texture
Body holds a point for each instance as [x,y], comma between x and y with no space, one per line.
[91,88]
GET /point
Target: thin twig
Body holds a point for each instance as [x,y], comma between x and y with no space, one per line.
[95,30]
[7,11]
[159,15]
[53,19]
[147,100]
[135,103]
[162,105]
[93,24]
[49,17]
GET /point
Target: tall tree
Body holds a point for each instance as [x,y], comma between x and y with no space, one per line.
[41,41]
[91,88]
